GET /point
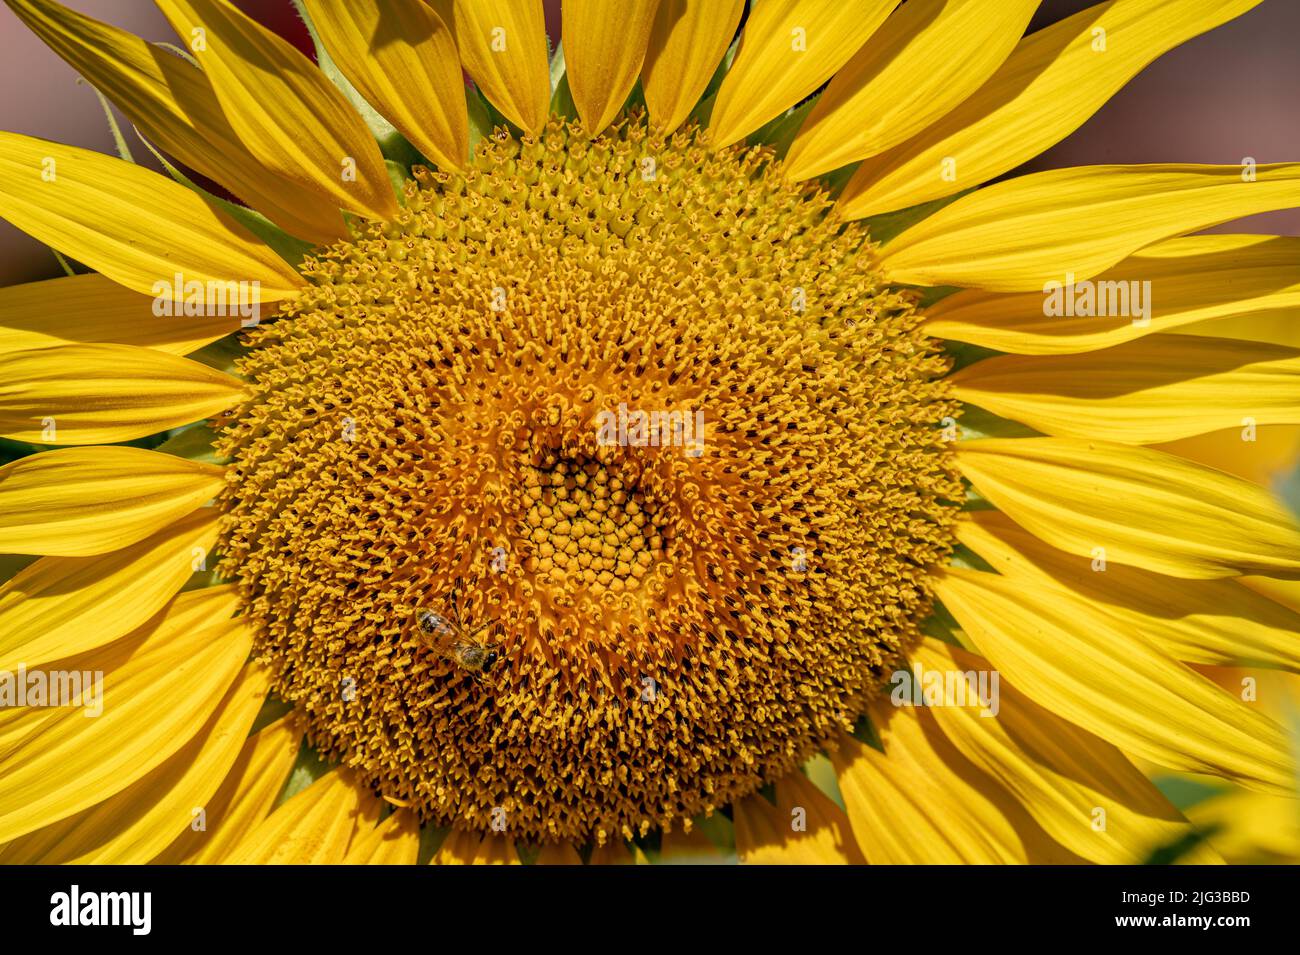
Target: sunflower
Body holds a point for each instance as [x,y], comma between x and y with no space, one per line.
[683,444]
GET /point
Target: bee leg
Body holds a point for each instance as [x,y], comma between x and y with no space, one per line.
[456,587]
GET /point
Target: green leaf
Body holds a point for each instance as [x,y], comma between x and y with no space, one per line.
[1171,853]
[977,423]
[221,354]
[398,176]
[272,709]
[779,133]
[562,104]
[431,840]
[864,731]
[193,443]
[307,768]
[889,225]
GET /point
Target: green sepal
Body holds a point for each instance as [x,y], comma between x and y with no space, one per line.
[562,104]
[286,246]
[307,768]
[193,443]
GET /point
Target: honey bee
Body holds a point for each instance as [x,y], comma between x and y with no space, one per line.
[460,644]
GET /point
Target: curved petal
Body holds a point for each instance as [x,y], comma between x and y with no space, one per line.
[60,606]
[502,44]
[1193,279]
[133,225]
[99,394]
[914,804]
[604,46]
[1066,225]
[1052,82]
[1259,455]
[1251,828]
[1220,622]
[1074,660]
[690,848]
[925,60]
[558,853]
[160,686]
[402,58]
[77,502]
[315,827]
[616,852]
[803,827]
[1160,388]
[786,51]
[172,103]
[133,826]
[91,308]
[245,798]
[1141,507]
[1061,774]
[395,841]
[687,42]
[462,847]
[283,108]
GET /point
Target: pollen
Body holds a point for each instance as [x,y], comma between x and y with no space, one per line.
[677,621]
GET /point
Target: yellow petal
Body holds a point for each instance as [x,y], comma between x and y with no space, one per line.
[1064,654]
[1143,507]
[690,848]
[1051,83]
[134,226]
[687,42]
[804,827]
[1080,789]
[1160,388]
[923,62]
[133,826]
[172,103]
[59,606]
[1197,278]
[99,394]
[395,841]
[245,798]
[502,45]
[913,804]
[315,827]
[1221,622]
[558,853]
[283,108]
[402,58]
[160,685]
[91,308]
[77,502]
[1251,828]
[1067,225]
[1259,455]
[786,51]
[462,847]
[604,45]
[616,852]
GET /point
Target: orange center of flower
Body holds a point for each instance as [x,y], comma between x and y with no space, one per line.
[594,491]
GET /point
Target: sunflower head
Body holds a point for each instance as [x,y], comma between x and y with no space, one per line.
[635,406]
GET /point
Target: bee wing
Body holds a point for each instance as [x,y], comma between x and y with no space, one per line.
[436,631]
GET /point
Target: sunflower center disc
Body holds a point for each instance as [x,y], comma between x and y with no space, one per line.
[641,410]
